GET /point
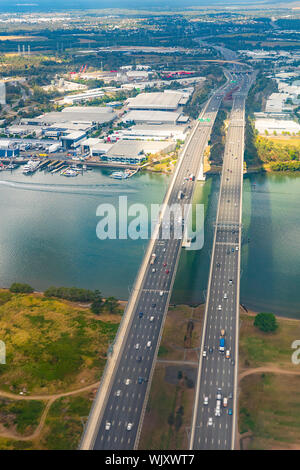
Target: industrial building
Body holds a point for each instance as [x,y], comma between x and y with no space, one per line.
[276,102]
[152,132]
[8,149]
[84,96]
[166,101]
[134,152]
[277,125]
[72,140]
[151,117]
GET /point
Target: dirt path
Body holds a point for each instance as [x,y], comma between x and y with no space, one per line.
[47,397]
[275,370]
[50,400]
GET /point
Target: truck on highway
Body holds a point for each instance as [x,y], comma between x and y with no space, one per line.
[222,344]
[153,257]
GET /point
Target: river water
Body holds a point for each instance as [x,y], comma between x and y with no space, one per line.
[48,236]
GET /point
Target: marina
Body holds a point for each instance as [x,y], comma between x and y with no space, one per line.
[63,168]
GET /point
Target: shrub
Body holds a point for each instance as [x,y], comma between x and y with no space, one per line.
[18,288]
[266,322]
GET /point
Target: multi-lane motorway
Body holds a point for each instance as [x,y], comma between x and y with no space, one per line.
[214,419]
[116,418]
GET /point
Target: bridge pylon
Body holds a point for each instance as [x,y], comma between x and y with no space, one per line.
[201,175]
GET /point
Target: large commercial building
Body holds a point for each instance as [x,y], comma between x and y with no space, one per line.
[276,125]
[151,117]
[82,97]
[276,102]
[152,132]
[166,101]
[134,152]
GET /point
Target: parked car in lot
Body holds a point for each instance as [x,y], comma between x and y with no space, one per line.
[148,344]
[210,422]
[107,425]
[205,401]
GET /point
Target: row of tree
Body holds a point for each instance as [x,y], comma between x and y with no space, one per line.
[74,294]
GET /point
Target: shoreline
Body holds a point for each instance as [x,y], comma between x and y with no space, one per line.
[123,303]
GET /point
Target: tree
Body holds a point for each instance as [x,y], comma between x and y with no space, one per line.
[18,288]
[266,322]
[111,304]
[97,304]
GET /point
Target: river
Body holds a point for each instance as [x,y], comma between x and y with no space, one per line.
[48,236]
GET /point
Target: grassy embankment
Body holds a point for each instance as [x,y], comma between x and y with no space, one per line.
[53,348]
[269,394]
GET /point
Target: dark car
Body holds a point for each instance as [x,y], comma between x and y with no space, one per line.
[139,358]
[141,314]
[153,305]
[140,380]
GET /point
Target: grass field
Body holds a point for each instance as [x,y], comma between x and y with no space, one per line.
[64,423]
[260,349]
[20,416]
[51,345]
[270,410]
[288,140]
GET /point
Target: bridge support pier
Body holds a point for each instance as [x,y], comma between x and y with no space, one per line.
[201,175]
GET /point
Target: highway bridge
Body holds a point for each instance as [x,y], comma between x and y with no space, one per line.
[214,419]
[116,417]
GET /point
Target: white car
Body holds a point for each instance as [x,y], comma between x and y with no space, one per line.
[161,293]
[205,401]
[236,248]
[152,318]
[227,355]
[209,422]
[153,270]
[107,425]
[137,346]
[218,412]
[118,393]
[204,353]
[129,426]
[219,307]
[148,344]
[127,381]
[225,296]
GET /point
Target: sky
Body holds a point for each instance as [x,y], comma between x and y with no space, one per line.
[48,5]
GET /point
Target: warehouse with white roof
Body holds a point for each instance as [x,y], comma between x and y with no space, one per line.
[165,101]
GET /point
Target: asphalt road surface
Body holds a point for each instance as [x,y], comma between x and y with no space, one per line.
[213,426]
